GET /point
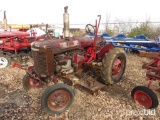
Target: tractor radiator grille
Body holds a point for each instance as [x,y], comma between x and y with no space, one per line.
[43,62]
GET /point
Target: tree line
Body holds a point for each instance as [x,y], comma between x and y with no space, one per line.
[148,28]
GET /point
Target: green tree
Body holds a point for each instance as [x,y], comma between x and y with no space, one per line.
[144,28]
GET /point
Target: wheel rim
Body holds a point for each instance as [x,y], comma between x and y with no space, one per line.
[33,83]
[143,99]
[58,100]
[117,68]
[3,62]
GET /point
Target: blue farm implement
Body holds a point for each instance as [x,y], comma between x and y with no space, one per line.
[147,45]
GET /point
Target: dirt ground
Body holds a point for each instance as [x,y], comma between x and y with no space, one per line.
[114,102]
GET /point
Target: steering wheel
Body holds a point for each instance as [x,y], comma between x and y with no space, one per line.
[90,28]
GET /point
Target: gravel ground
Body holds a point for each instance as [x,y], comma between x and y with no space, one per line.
[113,102]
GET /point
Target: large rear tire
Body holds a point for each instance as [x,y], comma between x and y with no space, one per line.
[145,97]
[113,66]
[4,61]
[57,98]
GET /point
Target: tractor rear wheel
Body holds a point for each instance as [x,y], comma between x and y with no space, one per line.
[31,83]
[145,97]
[57,98]
[113,66]
[4,61]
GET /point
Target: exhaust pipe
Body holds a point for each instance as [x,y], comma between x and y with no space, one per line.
[66,23]
[5,21]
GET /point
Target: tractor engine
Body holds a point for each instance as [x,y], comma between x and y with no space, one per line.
[56,57]
[63,64]
[68,62]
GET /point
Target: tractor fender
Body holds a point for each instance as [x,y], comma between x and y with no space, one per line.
[104,50]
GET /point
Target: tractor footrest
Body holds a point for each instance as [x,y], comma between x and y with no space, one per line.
[88,81]
[91,85]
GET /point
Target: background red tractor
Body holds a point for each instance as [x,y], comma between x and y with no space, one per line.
[78,61]
[15,44]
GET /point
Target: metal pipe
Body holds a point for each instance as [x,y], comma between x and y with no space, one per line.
[66,23]
[130,41]
[5,21]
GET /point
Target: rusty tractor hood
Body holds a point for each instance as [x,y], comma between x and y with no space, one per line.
[13,34]
[62,45]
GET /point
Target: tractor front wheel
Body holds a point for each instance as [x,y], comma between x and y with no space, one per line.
[145,97]
[31,83]
[57,98]
[4,61]
[113,66]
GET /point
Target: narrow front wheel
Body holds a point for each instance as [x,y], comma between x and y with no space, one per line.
[57,98]
[31,83]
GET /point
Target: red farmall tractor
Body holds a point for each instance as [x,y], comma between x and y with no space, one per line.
[15,44]
[77,61]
